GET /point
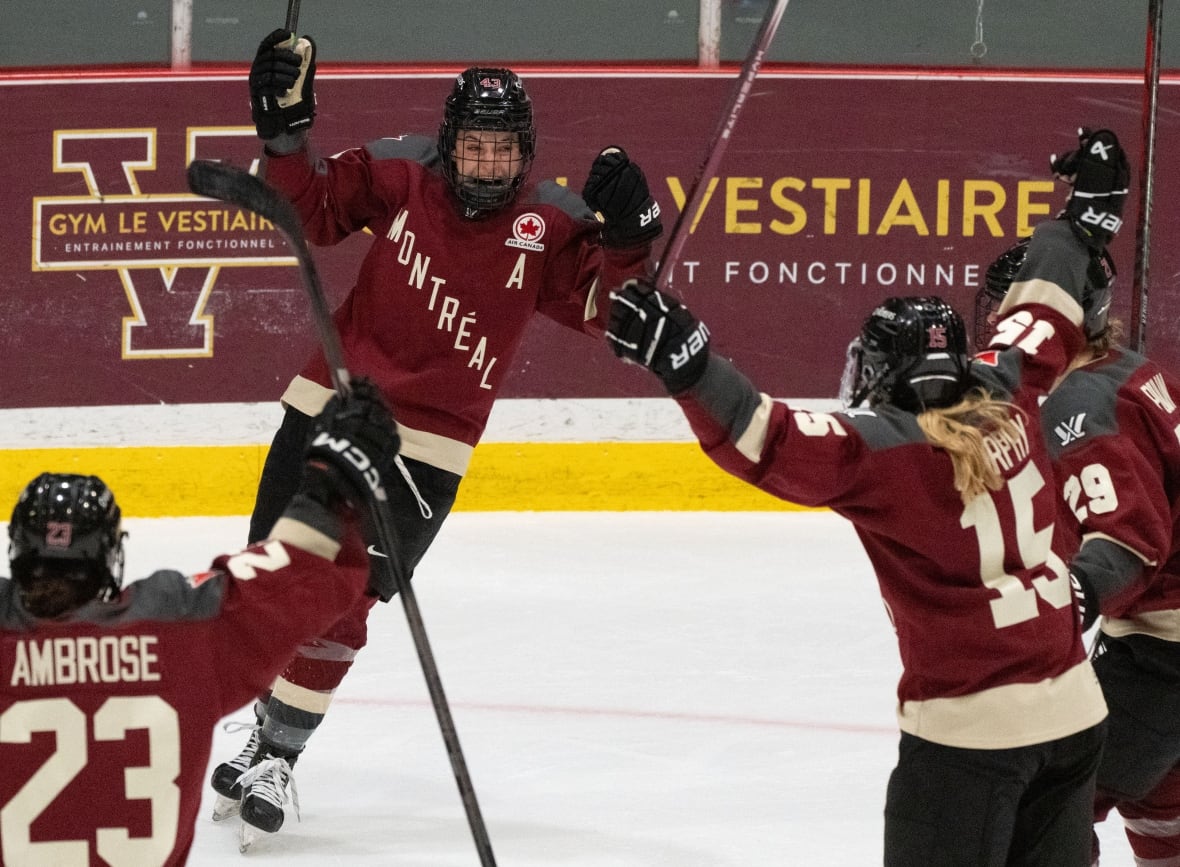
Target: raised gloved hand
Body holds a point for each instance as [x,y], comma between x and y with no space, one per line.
[650,328]
[282,80]
[1100,175]
[350,452]
[617,189]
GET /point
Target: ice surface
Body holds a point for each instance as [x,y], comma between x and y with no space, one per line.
[630,690]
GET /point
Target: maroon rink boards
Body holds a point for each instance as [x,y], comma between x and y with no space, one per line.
[837,188]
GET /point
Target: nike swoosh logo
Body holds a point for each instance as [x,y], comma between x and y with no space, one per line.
[372,549]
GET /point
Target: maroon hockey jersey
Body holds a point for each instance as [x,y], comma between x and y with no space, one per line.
[441,302]
[978,593]
[1113,429]
[107,714]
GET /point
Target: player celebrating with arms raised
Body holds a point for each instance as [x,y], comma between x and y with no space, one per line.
[941,466]
[1111,425]
[466,251]
[109,695]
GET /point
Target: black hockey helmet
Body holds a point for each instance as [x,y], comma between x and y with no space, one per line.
[1096,296]
[911,353]
[493,100]
[70,519]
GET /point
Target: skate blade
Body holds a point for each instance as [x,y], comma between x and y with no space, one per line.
[248,835]
[226,808]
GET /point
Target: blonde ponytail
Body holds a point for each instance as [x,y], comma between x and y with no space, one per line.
[960,429]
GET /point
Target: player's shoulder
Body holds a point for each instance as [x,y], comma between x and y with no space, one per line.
[881,427]
[416,148]
[1089,403]
[1119,375]
[996,371]
[168,595]
[1139,372]
[549,193]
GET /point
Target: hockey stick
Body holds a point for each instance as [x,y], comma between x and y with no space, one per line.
[238,187]
[741,90]
[292,16]
[1151,80]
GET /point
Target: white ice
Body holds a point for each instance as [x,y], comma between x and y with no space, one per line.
[629,690]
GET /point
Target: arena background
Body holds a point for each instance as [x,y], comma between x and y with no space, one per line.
[148,334]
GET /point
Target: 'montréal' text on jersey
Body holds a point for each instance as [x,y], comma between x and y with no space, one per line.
[441,302]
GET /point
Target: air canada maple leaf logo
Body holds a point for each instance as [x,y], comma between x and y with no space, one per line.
[529,227]
[527,232]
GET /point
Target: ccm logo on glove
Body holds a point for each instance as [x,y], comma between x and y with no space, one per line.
[354,456]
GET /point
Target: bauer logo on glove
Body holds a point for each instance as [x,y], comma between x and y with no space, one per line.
[1099,173]
[655,330]
[617,189]
[697,340]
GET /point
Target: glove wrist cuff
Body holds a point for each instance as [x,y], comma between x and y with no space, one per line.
[286,143]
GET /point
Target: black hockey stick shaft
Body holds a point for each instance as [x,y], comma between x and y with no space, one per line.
[292,16]
[737,99]
[238,187]
[1151,84]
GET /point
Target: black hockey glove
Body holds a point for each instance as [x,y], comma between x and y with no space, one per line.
[350,453]
[617,189]
[1100,175]
[282,85]
[648,327]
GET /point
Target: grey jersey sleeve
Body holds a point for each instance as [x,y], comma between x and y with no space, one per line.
[1105,568]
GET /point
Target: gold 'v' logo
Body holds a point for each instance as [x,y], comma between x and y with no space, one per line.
[138,220]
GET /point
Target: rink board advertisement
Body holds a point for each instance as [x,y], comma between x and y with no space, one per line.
[835,190]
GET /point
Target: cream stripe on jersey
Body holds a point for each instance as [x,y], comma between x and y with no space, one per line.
[443,452]
[1013,715]
[753,438]
[306,538]
[1045,292]
[1159,624]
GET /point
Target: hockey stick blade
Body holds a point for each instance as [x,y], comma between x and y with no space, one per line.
[235,186]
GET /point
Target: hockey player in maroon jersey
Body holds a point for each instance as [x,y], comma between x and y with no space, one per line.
[109,695]
[940,464]
[1112,429]
[466,251]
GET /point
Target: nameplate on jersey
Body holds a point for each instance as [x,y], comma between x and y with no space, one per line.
[78,660]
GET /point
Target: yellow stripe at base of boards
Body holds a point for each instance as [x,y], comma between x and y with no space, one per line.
[183,481]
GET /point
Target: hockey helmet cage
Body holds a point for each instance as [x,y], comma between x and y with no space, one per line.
[1097,294]
[911,353]
[494,100]
[67,517]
